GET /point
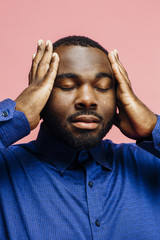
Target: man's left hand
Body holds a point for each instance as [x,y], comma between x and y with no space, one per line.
[134,119]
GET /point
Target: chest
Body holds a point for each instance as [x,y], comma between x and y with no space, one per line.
[83,203]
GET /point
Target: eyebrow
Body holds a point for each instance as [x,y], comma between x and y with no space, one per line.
[75,76]
[67,75]
[102,74]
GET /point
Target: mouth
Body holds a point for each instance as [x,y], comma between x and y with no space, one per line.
[88,122]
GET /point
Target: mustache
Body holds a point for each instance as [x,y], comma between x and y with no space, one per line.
[82,112]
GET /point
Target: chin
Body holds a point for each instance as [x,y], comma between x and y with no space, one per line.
[85,139]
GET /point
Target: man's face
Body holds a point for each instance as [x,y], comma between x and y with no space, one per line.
[82,104]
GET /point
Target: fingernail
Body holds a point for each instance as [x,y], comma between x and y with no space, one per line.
[33,56]
[48,43]
[54,54]
[40,42]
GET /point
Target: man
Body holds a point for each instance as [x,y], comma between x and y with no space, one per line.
[69,184]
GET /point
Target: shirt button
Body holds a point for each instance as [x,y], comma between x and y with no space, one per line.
[90,184]
[4,114]
[97,223]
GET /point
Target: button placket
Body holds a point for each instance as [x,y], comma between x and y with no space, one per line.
[91,192]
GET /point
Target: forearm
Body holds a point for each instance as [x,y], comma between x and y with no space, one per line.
[152,145]
[13,124]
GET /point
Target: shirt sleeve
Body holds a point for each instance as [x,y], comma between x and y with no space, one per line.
[13,124]
[154,145]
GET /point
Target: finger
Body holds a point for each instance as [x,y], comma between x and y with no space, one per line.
[114,58]
[48,53]
[44,63]
[29,78]
[123,73]
[121,67]
[117,59]
[37,58]
[119,73]
[30,73]
[52,71]
[111,57]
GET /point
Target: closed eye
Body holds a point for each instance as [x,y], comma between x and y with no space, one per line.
[67,88]
[103,84]
[65,83]
[101,89]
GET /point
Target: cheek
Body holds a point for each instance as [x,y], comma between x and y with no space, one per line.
[108,105]
[60,104]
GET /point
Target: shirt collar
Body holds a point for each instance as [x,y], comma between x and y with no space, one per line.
[62,155]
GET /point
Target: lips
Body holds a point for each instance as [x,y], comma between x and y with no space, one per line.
[86,122]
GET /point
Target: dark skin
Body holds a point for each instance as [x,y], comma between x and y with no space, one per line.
[84,91]
[87,68]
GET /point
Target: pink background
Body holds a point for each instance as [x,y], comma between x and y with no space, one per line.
[133,27]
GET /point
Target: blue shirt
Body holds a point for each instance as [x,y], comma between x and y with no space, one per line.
[50,191]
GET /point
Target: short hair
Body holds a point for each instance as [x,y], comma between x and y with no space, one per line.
[78,41]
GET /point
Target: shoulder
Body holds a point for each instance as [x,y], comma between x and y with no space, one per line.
[18,151]
[120,147]
[129,153]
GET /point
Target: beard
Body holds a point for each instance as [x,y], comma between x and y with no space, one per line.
[84,139]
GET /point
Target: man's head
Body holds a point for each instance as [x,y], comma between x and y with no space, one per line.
[78,41]
[81,107]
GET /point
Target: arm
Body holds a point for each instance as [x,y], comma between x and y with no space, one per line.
[135,120]
[41,79]
[19,117]
[152,145]
[13,124]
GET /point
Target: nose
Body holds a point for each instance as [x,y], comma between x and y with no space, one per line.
[86,98]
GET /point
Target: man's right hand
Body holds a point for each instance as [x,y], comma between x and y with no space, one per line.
[41,79]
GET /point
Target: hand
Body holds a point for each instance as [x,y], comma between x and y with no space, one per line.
[134,119]
[41,79]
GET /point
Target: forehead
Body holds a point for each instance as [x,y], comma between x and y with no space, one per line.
[81,60]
